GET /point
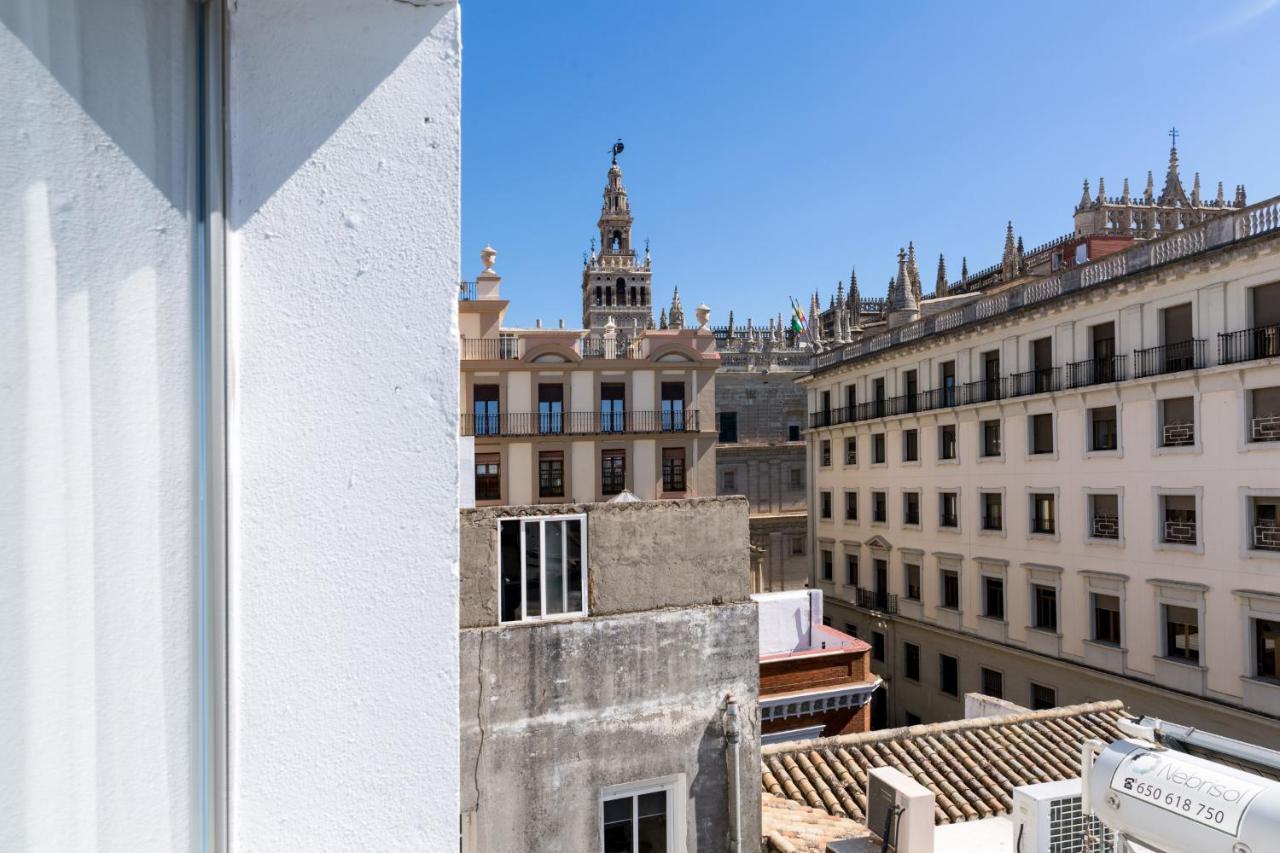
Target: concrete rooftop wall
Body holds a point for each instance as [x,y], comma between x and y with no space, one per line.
[642,555]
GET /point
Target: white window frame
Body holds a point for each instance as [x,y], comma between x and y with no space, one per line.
[675,788]
[525,520]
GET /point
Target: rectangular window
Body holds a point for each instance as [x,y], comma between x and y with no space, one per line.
[1042,513]
[797,478]
[1043,698]
[877,449]
[990,438]
[911,572]
[1103,431]
[1178,422]
[550,408]
[947,382]
[851,450]
[728,427]
[992,511]
[828,568]
[947,441]
[543,567]
[673,479]
[910,387]
[1106,618]
[1044,607]
[728,482]
[850,506]
[1182,633]
[613,414]
[488,477]
[879,507]
[1266,633]
[797,546]
[911,445]
[948,509]
[1264,403]
[910,507]
[613,471]
[850,397]
[824,451]
[485,410]
[1179,517]
[911,660]
[673,406]
[993,683]
[949,675]
[851,569]
[551,474]
[851,629]
[824,502]
[1264,523]
[877,646]
[1104,516]
[1042,433]
[950,589]
[640,819]
[793,432]
[993,597]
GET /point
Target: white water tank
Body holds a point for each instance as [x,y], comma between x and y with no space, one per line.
[1178,802]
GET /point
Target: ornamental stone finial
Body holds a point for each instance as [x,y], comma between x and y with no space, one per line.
[487,256]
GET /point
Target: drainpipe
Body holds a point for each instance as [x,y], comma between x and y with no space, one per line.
[733,739]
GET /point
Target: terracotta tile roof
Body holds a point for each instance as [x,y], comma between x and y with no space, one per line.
[790,827]
[972,766]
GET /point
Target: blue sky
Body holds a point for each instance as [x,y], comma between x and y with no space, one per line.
[771,146]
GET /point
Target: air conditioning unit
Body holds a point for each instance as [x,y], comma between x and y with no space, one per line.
[1048,818]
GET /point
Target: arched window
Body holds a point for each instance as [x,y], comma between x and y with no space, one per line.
[644,296]
[616,242]
[599,296]
[633,295]
[608,297]
[622,291]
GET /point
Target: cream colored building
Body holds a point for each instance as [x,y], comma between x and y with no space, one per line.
[582,415]
[1065,486]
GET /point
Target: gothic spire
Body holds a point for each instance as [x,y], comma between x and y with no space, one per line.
[662,319]
[940,285]
[904,290]
[913,272]
[1172,181]
[730,336]
[1221,201]
[964,269]
[1102,191]
[840,294]
[1124,195]
[1009,257]
[676,317]
[1149,194]
[855,299]
[1085,200]
[1195,191]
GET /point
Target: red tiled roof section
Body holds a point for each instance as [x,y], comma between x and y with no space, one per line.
[971,766]
[790,827]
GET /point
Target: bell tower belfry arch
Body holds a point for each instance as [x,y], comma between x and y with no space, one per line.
[615,282]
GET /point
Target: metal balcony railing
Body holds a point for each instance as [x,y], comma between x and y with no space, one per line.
[491,349]
[1266,537]
[1038,381]
[1180,530]
[1264,428]
[875,599]
[1249,344]
[578,423]
[986,390]
[1105,526]
[466,291]
[1170,358]
[1178,435]
[1096,371]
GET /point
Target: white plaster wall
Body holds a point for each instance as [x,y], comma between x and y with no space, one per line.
[97,473]
[787,619]
[344,263]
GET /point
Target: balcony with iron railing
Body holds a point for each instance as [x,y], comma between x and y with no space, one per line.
[1182,434]
[526,424]
[1249,344]
[1266,537]
[467,291]
[1179,528]
[1105,526]
[876,599]
[1264,428]
[1169,358]
[1096,371]
[1042,380]
[505,348]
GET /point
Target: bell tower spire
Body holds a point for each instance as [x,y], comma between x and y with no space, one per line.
[615,283]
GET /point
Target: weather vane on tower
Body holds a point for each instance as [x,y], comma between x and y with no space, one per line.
[616,150]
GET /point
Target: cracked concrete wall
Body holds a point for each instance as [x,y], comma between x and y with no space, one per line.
[554,712]
[642,555]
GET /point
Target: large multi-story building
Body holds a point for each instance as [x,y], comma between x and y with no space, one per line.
[1059,480]
[584,414]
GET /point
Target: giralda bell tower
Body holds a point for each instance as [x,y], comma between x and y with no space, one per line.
[615,282]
